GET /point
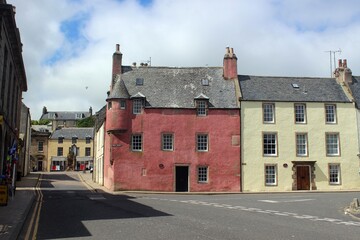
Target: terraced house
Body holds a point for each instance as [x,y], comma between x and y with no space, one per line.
[297,134]
[173,129]
[71,149]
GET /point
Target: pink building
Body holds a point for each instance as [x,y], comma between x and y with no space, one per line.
[173,129]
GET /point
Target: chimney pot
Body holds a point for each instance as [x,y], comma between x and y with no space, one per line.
[340,63]
[117,47]
[345,63]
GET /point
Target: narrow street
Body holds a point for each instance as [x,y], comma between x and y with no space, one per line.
[70,210]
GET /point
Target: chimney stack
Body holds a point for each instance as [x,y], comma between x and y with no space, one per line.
[230,64]
[342,73]
[117,61]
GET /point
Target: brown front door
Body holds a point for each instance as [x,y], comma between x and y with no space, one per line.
[303,177]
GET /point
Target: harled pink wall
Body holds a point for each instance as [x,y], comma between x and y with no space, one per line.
[223,157]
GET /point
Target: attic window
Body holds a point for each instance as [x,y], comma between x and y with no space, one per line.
[295,85]
[205,82]
[139,81]
[79,116]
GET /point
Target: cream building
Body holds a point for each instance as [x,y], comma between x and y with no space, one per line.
[98,174]
[297,134]
[71,142]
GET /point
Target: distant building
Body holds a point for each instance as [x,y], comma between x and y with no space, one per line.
[59,119]
[173,129]
[39,147]
[12,84]
[71,149]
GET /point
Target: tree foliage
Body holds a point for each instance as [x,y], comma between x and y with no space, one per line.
[40,122]
[86,122]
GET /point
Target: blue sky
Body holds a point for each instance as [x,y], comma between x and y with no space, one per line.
[68,56]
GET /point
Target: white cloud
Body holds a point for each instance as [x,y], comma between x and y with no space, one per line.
[276,37]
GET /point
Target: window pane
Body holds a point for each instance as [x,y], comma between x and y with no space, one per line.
[300,113]
[202,142]
[334,173]
[167,142]
[201,108]
[270,175]
[136,142]
[301,144]
[330,113]
[60,151]
[332,144]
[269,143]
[40,146]
[137,106]
[268,113]
[87,151]
[202,174]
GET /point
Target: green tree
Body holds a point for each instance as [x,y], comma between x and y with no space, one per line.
[86,122]
[40,122]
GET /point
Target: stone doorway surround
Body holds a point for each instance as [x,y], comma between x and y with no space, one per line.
[312,174]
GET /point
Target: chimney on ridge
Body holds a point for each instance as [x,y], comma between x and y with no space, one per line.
[230,64]
[117,61]
[342,73]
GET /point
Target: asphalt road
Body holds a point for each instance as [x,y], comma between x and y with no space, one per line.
[71,211]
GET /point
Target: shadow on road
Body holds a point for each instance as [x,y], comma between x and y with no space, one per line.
[64,212]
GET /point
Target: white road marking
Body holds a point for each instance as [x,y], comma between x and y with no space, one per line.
[286,201]
[270,212]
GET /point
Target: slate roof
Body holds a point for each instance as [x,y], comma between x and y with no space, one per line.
[100,118]
[69,133]
[64,115]
[355,89]
[171,87]
[262,88]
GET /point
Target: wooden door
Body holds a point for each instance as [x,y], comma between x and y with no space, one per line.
[303,177]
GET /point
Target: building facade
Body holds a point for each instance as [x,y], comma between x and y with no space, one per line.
[25,141]
[71,149]
[297,134]
[99,131]
[173,129]
[39,147]
[12,84]
[60,119]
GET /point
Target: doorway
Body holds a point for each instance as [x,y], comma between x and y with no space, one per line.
[303,177]
[181,178]
[40,166]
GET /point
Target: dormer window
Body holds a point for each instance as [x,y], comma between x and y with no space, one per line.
[78,115]
[137,106]
[139,81]
[205,82]
[201,107]
[74,139]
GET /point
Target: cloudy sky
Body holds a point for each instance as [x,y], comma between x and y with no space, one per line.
[68,44]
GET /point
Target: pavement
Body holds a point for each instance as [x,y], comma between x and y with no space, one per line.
[14,214]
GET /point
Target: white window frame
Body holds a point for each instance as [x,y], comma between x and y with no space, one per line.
[300,112]
[270,144]
[301,145]
[203,174]
[332,144]
[270,173]
[202,142]
[330,114]
[167,142]
[136,143]
[334,174]
[201,107]
[268,113]
[122,103]
[137,105]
